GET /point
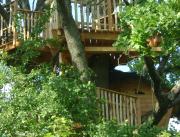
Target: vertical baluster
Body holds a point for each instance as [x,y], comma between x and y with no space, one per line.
[82,15]
[115,14]
[131,111]
[109,8]
[93,15]
[87,16]
[113,107]
[13,24]
[128,109]
[106,103]
[76,11]
[28,24]
[110,105]
[117,108]
[24,25]
[104,14]
[138,111]
[124,108]
[98,17]
[9,24]
[31,22]
[102,97]
[120,108]
[1,27]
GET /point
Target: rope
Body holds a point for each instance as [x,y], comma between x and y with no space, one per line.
[119,58]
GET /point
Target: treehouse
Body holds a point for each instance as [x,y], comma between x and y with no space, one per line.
[98,26]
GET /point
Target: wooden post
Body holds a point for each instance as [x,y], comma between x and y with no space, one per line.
[94,14]
[106,105]
[76,11]
[82,15]
[98,25]
[117,107]
[115,15]
[28,24]
[110,19]
[138,111]
[25,25]
[1,27]
[104,12]
[87,16]
[13,24]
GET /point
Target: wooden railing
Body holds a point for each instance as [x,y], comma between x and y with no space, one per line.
[7,28]
[20,26]
[97,15]
[119,106]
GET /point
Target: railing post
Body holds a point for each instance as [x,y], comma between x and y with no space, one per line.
[110,22]
[1,28]
[13,23]
[138,111]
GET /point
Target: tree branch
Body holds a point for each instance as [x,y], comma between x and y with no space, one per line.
[158,115]
[155,78]
[174,95]
[152,71]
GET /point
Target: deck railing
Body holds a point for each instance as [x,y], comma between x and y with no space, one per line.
[119,106]
[97,15]
[6,28]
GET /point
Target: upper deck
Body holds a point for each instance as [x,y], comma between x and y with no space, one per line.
[97,23]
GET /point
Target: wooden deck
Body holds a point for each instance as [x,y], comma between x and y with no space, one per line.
[97,23]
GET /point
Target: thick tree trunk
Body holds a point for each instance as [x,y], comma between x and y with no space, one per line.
[72,36]
[165,101]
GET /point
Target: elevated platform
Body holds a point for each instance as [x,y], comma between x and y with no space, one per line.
[97,24]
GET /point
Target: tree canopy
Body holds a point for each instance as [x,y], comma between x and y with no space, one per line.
[151,25]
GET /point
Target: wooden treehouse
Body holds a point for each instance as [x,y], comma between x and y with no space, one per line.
[98,25]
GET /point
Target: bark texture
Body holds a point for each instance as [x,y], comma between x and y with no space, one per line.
[165,100]
[72,36]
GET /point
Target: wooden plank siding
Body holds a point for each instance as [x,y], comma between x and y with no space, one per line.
[119,106]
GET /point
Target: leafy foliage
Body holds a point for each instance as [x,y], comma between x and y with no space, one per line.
[42,103]
[112,129]
[144,21]
[140,24]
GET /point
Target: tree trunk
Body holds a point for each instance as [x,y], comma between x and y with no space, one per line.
[165,100]
[72,36]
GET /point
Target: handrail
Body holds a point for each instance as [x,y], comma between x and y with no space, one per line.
[26,10]
[121,93]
